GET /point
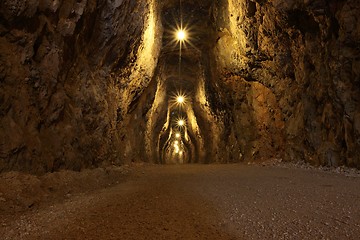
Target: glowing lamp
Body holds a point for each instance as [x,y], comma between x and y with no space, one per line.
[181,122]
[180,99]
[177,135]
[181,35]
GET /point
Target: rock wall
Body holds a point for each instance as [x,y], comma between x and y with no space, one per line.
[291,69]
[61,97]
[88,82]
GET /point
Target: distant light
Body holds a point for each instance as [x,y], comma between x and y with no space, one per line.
[180,99]
[177,149]
[181,122]
[177,135]
[181,35]
[181,153]
[176,142]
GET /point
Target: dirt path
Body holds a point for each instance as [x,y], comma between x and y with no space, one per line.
[202,202]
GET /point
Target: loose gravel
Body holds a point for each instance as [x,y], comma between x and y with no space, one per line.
[236,201]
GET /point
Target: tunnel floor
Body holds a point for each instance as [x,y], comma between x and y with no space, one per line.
[187,202]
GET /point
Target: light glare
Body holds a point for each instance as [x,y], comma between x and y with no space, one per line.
[180,99]
[181,35]
[181,122]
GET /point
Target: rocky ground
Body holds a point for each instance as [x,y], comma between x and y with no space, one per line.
[273,200]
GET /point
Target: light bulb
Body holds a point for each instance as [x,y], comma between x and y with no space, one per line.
[180,99]
[181,122]
[181,35]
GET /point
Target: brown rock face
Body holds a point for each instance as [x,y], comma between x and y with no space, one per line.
[60,105]
[299,56]
[90,82]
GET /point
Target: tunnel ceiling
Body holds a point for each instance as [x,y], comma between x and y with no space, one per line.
[85,83]
[194,16]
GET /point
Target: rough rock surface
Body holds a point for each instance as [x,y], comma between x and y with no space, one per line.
[60,106]
[88,82]
[292,73]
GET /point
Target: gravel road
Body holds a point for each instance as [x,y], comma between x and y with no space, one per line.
[201,202]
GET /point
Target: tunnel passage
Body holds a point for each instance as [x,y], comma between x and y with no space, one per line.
[181,74]
[87,83]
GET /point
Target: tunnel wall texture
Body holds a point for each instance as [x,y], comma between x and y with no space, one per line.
[69,71]
[80,83]
[293,74]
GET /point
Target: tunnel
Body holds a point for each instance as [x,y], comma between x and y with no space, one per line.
[179,119]
[87,83]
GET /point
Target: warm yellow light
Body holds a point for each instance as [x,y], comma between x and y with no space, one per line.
[181,35]
[181,153]
[180,99]
[181,122]
[176,142]
[177,135]
[177,149]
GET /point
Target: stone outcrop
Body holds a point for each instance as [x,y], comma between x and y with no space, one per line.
[91,82]
[294,80]
[60,104]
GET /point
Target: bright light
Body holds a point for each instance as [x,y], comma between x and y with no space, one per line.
[177,135]
[180,99]
[181,122]
[181,35]
[176,142]
[181,153]
[177,149]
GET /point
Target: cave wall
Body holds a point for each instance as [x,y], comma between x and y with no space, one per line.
[292,74]
[69,71]
[88,82]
